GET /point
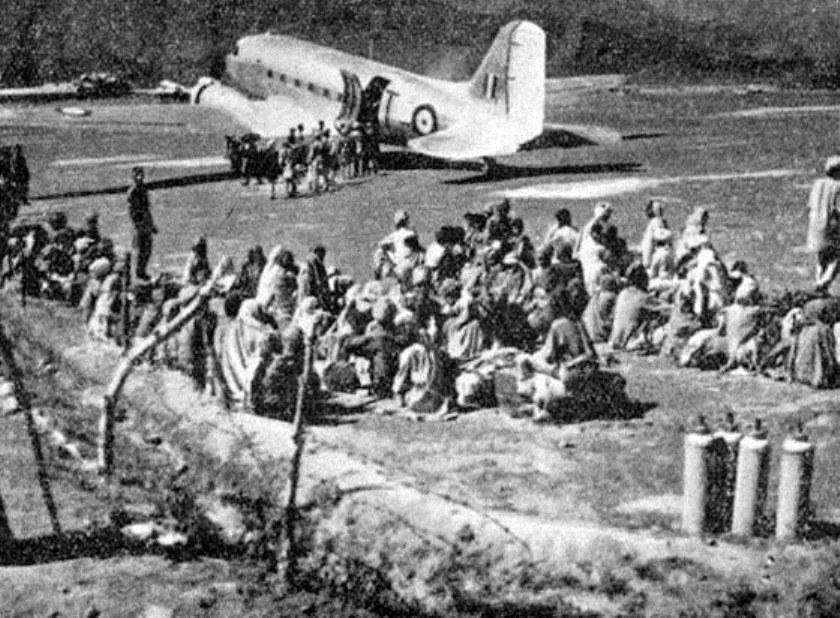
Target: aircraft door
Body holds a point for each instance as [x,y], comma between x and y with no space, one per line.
[372,100]
[352,100]
[385,110]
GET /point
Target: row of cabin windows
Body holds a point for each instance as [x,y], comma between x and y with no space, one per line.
[325,92]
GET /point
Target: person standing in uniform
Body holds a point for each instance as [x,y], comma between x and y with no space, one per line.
[140,212]
[824,223]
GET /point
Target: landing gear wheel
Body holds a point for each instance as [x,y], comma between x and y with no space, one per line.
[424,121]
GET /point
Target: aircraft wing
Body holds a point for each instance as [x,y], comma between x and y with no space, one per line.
[470,140]
[270,118]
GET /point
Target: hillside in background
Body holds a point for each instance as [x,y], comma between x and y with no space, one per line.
[793,42]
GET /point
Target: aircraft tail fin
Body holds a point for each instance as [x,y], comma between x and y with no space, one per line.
[512,75]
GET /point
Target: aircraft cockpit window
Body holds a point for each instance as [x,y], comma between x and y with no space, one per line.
[236,50]
[310,87]
[270,73]
[327,93]
[297,83]
[283,77]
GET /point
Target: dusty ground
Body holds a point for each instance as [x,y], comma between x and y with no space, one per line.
[752,170]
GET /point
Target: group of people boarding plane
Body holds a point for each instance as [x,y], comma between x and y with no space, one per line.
[307,162]
[438,322]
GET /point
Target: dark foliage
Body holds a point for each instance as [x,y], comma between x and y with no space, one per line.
[147,40]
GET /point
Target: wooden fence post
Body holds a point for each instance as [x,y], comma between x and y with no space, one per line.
[6,535]
[8,358]
[126,303]
[105,446]
[299,439]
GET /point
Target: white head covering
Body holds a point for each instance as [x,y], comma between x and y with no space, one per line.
[401,216]
[747,291]
[602,209]
[269,278]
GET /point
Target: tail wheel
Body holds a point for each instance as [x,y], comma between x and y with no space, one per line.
[424,120]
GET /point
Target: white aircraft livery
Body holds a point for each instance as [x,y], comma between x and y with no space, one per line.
[280,82]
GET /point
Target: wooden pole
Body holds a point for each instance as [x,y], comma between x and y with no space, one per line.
[126,303]
[105,447]
[25,403]
[299,439]
[6,535]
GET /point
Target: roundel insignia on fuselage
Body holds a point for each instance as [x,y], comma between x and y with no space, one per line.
[424,120]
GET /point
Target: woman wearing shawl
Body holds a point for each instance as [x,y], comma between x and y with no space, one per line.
[249,275]
[708,279]
[276,290]
[811,359]
[313,279]
[591,258]
[197,269]
[466,334]
[740,324]
[567,353]
[694,234]
[245,284]
[103,318]
[662,268]
[562,368]
[424,382]
[682,323]
[598,315]
[600,216]
[380,346]
[824,223]
[561,233]
[631,315]
[656,224]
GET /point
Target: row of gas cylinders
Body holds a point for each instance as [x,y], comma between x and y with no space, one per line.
[726,477]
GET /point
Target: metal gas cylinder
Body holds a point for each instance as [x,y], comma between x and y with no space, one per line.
[703,480]
[795,470]
[751,481]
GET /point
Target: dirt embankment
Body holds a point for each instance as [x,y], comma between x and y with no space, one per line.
[431,548]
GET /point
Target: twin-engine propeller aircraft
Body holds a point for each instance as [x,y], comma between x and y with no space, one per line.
[280,82]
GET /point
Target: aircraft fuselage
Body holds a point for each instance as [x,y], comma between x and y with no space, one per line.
[343,86]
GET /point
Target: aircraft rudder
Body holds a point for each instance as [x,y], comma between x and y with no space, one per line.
[512,73]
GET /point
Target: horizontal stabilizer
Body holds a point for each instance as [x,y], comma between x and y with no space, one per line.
[585,83]
[473,140]
[573,136]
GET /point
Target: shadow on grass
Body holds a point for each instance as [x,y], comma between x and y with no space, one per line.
[101,543]
[498,172]
[401,160]
[166,183]
[822,530]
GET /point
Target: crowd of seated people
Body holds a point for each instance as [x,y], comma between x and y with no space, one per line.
[436,324]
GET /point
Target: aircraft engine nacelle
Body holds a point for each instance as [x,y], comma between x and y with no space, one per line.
[212,93]
[197,91]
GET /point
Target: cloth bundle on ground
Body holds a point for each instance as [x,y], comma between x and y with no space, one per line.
[573,396]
